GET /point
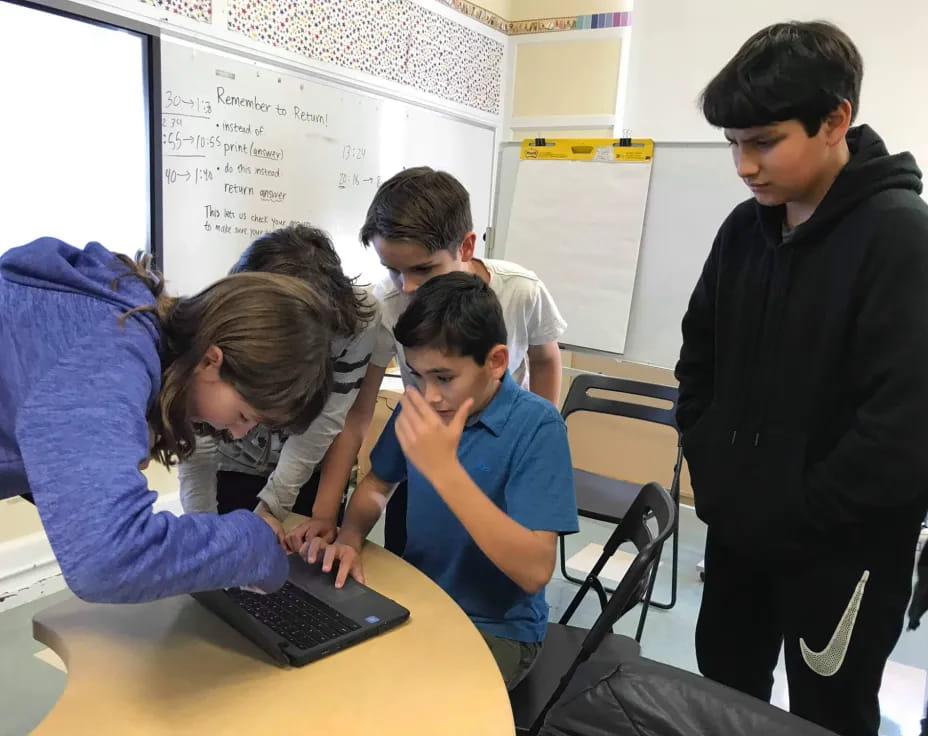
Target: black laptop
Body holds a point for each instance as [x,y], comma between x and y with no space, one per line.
[309,617]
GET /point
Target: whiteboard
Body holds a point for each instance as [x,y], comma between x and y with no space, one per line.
[76,162]
[248,148]
[577,224]
[693,189]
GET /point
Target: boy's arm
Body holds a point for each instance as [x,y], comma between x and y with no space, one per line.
[544,371]
[526,555]
[388,467]
[365,508]
[696,368]
[366,505]
[301,454]
[197,478]
[338,462]
[545,326]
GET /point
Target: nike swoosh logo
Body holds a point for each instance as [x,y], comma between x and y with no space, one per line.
[828,661]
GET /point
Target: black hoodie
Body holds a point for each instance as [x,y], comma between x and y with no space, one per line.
[804,369]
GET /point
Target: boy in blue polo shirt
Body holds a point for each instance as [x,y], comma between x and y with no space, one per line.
[488,468]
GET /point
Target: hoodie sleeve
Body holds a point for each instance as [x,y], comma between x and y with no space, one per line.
[881,463]
[197,478]
[302,453]
[82,434]
[696,368]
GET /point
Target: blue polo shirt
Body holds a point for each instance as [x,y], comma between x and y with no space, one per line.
[516,452]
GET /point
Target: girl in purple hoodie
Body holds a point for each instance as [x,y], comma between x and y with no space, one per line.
[100,371]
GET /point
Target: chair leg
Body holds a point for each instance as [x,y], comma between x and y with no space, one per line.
[674,567]
[591,582]
[567,575]
[646,602]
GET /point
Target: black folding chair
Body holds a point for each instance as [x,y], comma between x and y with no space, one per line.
[569,646]
[607,499]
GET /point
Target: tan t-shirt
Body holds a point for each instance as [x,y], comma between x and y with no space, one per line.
[530,314]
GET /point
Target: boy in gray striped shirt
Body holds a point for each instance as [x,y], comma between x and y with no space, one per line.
[271,472]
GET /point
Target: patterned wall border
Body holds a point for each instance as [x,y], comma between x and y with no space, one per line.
[571,23]
[540,25]
[201,10]
[483,15]
[400,41]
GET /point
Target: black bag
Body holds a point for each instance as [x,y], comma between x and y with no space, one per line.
[641,696]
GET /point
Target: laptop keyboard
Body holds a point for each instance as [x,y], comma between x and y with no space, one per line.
[301,618]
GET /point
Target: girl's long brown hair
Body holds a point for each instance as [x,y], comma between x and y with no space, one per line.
[275,335]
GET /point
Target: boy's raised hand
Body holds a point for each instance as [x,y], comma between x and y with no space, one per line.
[429,443]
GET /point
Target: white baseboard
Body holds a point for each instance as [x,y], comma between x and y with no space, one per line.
[28,569]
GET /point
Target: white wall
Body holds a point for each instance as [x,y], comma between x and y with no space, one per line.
[679,45]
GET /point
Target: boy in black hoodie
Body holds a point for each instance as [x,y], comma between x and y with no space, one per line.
[804,384]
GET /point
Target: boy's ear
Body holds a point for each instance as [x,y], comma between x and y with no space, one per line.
[211,362]
[837,122]
[467,246]
[498,361]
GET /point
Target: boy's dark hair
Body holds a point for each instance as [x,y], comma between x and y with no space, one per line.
[787,71]
[307,253]
[420,205]
[456,313]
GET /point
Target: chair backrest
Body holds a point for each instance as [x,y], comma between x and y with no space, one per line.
[654,501]
[579,399]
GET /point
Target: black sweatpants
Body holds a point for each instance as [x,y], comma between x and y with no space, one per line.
[751,608]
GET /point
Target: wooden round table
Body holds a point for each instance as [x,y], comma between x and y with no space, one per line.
[171,667]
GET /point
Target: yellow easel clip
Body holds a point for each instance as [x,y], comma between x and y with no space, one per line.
[588,149]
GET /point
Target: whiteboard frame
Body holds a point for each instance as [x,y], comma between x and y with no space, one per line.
[152,71]
[498,174]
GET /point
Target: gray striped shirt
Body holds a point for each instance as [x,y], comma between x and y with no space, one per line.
[288,460]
